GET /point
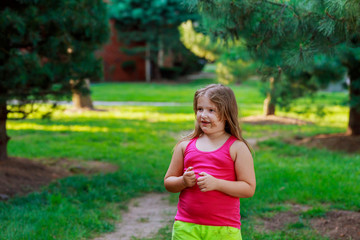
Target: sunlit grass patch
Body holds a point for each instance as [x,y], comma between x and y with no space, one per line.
[110,135]
[130,113]
[334,116]
[55,128]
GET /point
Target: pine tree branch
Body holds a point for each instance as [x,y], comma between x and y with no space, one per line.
[328,14]
[282,12]
[282,5]
[334,18]
[278,4]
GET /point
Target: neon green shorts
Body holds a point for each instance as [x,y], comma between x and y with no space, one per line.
[192,231]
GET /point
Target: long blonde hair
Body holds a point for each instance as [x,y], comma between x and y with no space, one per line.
[224,99]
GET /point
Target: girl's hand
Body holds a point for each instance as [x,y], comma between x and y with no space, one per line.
[206,182]
[189,177]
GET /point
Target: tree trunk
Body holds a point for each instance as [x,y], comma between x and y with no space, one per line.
[269,106]
[81,101]
[148,63]
[354,94]
[4,138]
[161,53]
[155,71]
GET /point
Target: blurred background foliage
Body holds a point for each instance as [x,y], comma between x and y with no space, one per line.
[155,23]
[288,37]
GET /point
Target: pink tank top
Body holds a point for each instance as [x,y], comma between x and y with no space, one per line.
[212,208]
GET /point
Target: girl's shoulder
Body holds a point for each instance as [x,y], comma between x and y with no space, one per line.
[239,148]
[183,144]
[238,142]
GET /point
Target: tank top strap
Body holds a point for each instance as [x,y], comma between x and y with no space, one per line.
[191,144]
[229,142]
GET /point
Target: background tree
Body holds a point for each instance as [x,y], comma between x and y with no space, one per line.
[199,43]
[44,45]
[301,29]
[156,23]
[235,63]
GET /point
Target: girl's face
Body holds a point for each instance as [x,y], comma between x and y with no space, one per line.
[207,116]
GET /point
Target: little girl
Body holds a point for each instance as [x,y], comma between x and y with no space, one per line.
[212,168]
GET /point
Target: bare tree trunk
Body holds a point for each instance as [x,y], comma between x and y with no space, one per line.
[81,100]
[269,106]
[148,63]
[161,54]
[354,93]
[4,138]
[354,122]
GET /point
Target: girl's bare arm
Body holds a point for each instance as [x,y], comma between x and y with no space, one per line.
[175,179]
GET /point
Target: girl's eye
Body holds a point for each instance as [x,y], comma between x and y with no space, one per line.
[199,109]
[212,110]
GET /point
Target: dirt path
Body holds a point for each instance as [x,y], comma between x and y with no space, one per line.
[146,215]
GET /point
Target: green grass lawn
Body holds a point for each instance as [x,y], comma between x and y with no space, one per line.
[139,139]
[167,92]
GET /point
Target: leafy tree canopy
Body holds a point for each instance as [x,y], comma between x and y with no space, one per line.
[290,34]
[147,20]
[311,24]
[44,44]
[155,22]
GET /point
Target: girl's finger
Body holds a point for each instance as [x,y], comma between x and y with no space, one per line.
[189,169]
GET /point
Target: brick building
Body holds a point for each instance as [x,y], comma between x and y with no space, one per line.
[119,66]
